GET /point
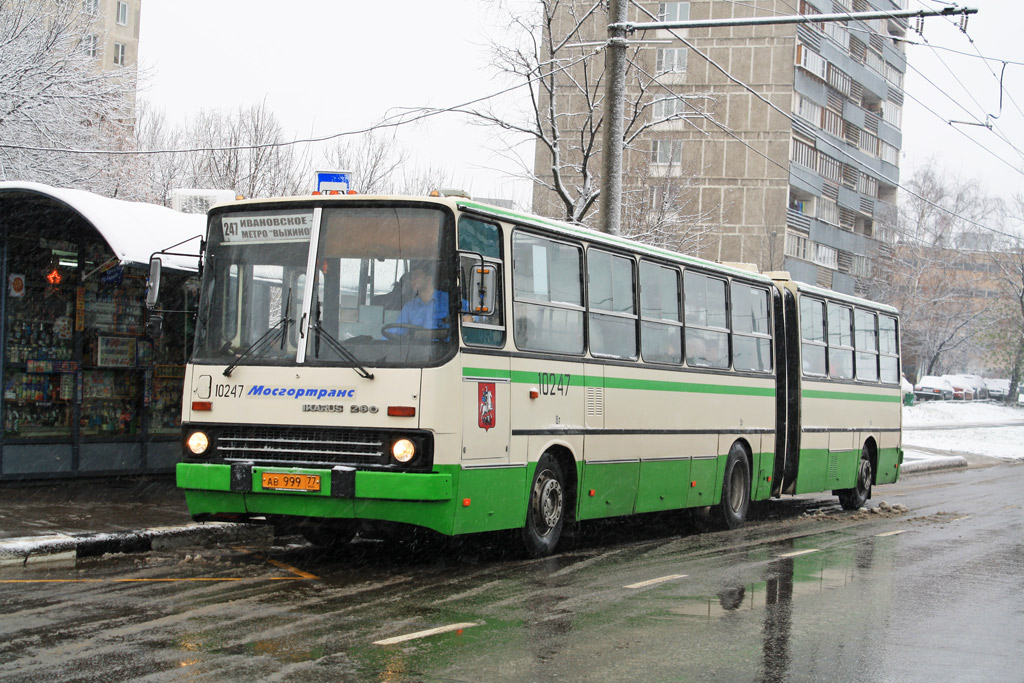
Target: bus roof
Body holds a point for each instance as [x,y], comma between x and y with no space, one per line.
[565,229]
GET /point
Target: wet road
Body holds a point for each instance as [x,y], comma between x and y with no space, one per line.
[804,592]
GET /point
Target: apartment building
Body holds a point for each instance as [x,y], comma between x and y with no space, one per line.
[113,40]
[791,133]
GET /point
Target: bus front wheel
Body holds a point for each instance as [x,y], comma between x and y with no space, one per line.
[545,512]
[854,499]
[732,510]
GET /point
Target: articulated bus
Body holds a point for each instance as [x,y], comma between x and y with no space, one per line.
[363,362]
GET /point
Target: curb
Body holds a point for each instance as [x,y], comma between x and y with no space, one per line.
[934,464]
[65,548]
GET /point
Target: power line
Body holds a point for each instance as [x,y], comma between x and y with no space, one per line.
[839,149]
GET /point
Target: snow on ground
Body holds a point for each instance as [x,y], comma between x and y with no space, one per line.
[965,428]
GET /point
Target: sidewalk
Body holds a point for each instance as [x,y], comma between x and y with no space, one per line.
[59,521]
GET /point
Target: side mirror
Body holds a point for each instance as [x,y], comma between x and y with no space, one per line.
[155,325]
[482,288]
[153,293]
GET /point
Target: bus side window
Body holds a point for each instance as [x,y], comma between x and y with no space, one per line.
[661,330]
[548,294]
[707,331]
[840,341]
[889,361]
[812,331]
[866,341]
[612,308]
[484,239]
[751,334]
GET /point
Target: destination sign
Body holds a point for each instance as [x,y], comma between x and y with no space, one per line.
[260,227]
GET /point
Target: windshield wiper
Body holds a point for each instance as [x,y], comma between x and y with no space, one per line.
[280,328]
[337,346]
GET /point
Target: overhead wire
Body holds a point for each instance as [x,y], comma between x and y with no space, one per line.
[838,148]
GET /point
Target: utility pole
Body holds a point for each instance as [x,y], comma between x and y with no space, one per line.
[614,118]
[615,69]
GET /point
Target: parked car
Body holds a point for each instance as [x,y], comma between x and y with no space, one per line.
[997,388]
[962,389]
[978,383]
[932,388]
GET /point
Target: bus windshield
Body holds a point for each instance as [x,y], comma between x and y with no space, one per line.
[382,290]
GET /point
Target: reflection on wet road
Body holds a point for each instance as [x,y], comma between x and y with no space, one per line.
[804,592]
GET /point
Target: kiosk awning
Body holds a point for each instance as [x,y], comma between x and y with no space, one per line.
[133,230]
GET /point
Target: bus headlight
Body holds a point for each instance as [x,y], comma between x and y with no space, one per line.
[198,442]
[403,450]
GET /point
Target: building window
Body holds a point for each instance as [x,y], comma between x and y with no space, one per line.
[670,60]
[892,113]
[667,107]
[91,7]
[122,13]
[811,60]
[832,122]
[830,169]
[825,255]
[828,211]
[673,11]
[90,45]
[666,151]
[888,153]
[804,154]
[119,54]
[796,246]
[808,110]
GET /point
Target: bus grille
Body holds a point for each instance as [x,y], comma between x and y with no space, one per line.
[302,446]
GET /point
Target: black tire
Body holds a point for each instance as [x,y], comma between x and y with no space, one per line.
[545,509]
[854,499]
[328,535]
[732,509]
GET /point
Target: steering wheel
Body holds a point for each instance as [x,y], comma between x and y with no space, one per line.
[414,331]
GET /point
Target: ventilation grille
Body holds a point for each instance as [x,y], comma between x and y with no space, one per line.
[312,445]
[595,401]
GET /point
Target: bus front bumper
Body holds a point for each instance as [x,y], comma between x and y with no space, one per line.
[237,493]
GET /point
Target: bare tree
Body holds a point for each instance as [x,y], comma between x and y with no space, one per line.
[1005,336]
[375,160]
[54,97]
[244,151]
[660,210]
[554,49]
[932,276]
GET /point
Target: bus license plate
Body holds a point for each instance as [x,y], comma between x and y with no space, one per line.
[282,481]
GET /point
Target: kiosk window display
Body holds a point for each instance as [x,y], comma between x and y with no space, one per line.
[85,387]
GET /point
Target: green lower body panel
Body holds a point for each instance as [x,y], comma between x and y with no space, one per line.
[889,461]
[614,489]
[662,485]
[761,486]
[705,485]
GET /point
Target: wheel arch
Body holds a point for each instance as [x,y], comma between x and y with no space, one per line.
[871,446]
[563,455]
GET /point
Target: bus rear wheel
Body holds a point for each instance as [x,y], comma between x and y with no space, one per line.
[545,512]
[732,509]
[854,499]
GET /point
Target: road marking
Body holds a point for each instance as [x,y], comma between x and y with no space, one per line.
[52,580]
[651,582]
[960,518]
[891,533]
[795,553]
[299,574]
[427,633]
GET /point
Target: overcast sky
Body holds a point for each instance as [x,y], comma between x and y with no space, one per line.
[327,66]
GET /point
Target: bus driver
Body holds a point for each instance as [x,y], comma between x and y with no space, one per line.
[429,307]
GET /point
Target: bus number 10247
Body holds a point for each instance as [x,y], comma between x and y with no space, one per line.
[552,383]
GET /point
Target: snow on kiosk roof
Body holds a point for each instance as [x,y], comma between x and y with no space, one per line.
[133,230]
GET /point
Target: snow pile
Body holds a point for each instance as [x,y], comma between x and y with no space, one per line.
[965,428]
[959,413]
